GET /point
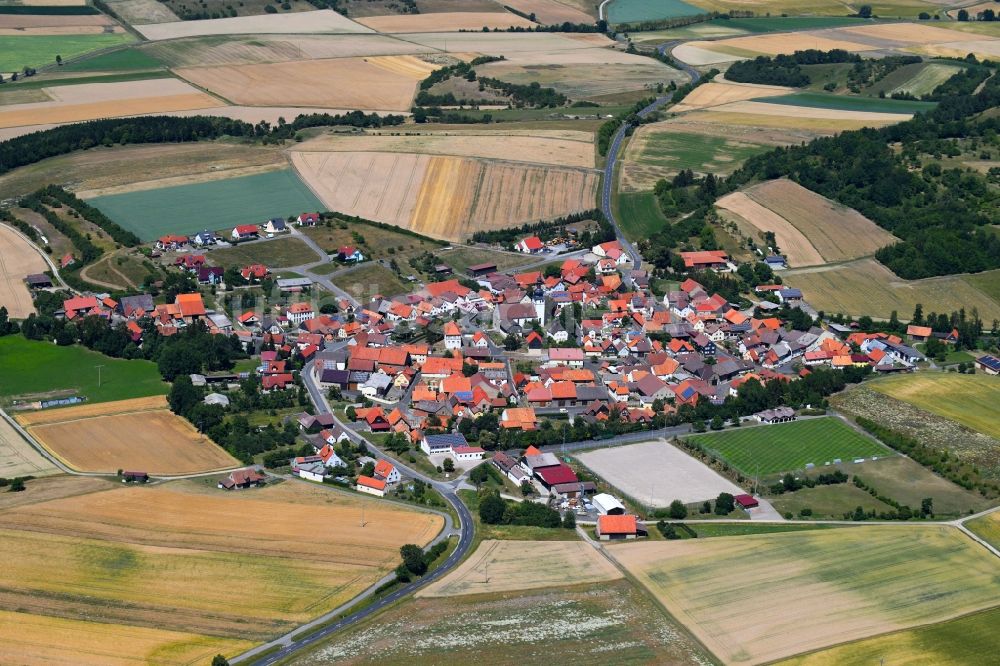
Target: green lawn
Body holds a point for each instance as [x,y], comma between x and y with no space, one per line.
[29,366]
[831,502]
[636,11]
[785,447]
[698,152]
[18,51]
[816,100]
[287,251]
[370,280]
[123,60]
[217,204]
[639,214]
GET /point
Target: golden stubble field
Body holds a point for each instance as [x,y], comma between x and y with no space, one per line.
[818,588]
[715,94]
[444,197]
[501,566]
[140,434]
[188,567]
[18,258]
[89,101]
[809,228]
[381,83]
[320,21]
[444,22]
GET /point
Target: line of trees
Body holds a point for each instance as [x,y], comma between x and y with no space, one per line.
[785,70]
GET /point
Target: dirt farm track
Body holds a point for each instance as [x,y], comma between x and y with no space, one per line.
[139,434]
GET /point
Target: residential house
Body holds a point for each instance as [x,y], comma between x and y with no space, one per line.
[615,528]
[367,484]
[276,226]
[386,471]
[530,245]
[705,259]
[452,336]
[248,477]
[307,219]
[350,253]
[299,312]
[245,232]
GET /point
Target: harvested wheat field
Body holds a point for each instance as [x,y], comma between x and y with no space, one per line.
[164,557]
[444,22]
[550,12]
[213,51]
[754,219]
[809,229]
[837,232]
[900,33]
[375,186]
[715,94]
[558,147]
[38,639]
[56,487]
[506,43]
[380,83]
[138,434]
[18,258]
[867,287]
[18,458]
[788,111]
[776,43]
[443,197]
[502,566]
[789,122]
[834,586]
[320,21]
[461,196]
[89,101]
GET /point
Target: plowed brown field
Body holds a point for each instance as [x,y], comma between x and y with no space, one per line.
[139,434]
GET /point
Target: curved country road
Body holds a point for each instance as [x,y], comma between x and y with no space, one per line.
[615,147]
[465,537]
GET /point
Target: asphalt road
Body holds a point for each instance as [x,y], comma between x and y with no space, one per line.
[612,162]
[465,536]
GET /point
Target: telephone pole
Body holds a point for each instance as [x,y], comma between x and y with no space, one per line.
[98,375]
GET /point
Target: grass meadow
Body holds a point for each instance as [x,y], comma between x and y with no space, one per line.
[965,640]
[19,51]
[987,527]
[29,367]
[286,251]
[639,214]
[699,152]
[122,60]
[786,447]
[218,204]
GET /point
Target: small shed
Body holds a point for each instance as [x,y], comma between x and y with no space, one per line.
[607,505]
[38,281]
[746,502]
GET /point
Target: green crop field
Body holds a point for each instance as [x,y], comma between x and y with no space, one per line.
[830,586]
[123,60]
[636,11]
[29,367]
[972,400]
[918,79]
[987,527]
[959,642]
[880,8]
[639,214]
[786,447]
[698,152]
[748,26]
[18,51]
[218,204]
[817,100]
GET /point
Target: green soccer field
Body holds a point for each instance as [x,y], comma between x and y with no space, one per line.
[218,205]
[19,51]
[786,447]
[29,366]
